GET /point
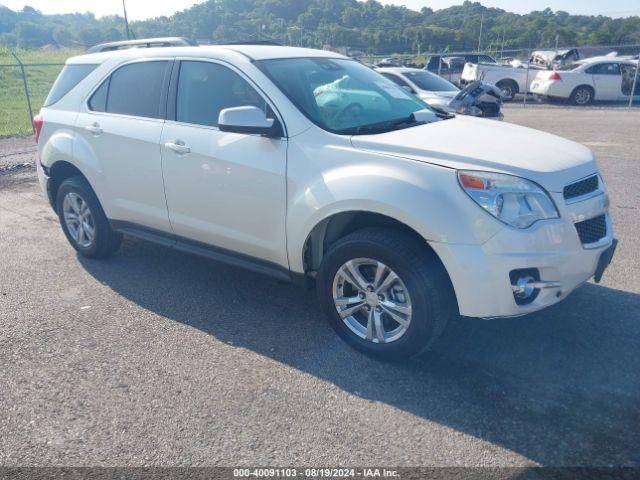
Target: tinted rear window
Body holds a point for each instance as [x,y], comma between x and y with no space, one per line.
[135,89]
[433,83]
[70,76]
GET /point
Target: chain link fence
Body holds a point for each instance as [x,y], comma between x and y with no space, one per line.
[26,77]
[25,81]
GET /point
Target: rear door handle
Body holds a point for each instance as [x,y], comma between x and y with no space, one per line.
[178,146]
[94,128]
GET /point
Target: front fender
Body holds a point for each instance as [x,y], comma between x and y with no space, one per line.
[331,177]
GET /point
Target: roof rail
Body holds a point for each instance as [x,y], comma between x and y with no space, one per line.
[254,42]
[142,43]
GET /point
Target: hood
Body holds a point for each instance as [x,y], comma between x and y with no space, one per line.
[471,143]
[438,99]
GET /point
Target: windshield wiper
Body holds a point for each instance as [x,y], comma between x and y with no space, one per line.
[388,126]
[383,127]
[396,124]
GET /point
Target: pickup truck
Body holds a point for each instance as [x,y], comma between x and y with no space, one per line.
[450,67]
[510,80]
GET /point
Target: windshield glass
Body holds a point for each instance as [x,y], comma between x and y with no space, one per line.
[343,96]
[430,82]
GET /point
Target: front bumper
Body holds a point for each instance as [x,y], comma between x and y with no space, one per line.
[480,273]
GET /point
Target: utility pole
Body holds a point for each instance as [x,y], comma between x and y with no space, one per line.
[635,85]
[480,36]
[126,20]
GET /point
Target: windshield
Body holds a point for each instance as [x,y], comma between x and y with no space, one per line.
[428,81]
[343,96]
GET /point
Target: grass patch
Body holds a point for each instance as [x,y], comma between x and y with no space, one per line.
[14,113]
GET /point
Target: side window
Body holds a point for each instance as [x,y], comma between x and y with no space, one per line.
[204,89]
[70,76]
[134,89]
[604,69]
[397,80]
[98,101]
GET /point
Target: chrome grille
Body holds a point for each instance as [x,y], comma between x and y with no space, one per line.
[583,187]
[592,230]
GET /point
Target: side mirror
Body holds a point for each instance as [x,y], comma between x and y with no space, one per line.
[408,89]
[250,120]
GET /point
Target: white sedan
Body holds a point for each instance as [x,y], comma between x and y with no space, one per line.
[431,88]
[582,82]
[477,99]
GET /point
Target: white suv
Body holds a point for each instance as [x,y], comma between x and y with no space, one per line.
[311,167]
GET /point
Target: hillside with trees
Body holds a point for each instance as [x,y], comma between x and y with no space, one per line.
[366,26]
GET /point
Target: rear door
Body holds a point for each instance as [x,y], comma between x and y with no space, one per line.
[121,125]
[223,189]
[607,80]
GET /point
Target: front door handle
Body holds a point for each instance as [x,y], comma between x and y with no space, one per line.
[178,146]
[94,128]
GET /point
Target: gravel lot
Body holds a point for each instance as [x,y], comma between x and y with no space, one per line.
[159,358]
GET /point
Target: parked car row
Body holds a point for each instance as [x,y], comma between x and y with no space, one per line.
[606,78]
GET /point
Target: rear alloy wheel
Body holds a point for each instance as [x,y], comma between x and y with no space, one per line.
[83,221]
[582,96]
[78,219]
[508,89]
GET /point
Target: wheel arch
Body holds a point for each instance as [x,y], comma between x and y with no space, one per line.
[340,224]
[58,172]
[583,85]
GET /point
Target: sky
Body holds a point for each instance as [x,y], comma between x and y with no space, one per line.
[141,9]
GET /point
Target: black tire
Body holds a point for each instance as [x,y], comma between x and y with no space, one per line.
[105,241]
[509,88]
[582,96]
[432,297]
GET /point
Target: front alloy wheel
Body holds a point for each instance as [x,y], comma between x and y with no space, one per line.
[385,292]
[372,300]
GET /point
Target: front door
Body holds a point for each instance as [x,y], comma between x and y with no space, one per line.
[223,189]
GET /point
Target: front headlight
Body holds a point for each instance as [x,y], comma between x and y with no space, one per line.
[469,110]
[513,200]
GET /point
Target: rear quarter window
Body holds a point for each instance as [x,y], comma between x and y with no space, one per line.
[70,76]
